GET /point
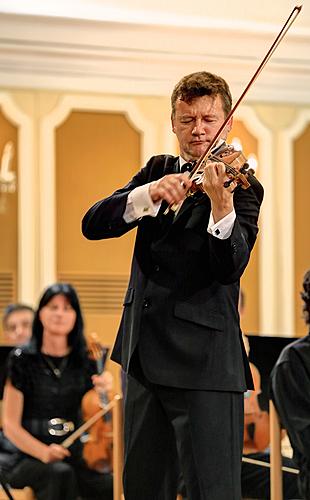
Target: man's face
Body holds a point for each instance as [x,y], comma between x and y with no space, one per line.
[18,327]
[196,124]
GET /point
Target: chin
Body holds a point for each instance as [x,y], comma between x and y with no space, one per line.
[197,153]
[195,157]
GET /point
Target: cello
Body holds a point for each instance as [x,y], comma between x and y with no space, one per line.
[98,445]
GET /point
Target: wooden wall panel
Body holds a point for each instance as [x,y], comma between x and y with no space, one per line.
[301,221]
[250,278]
[8,224]
[96,153]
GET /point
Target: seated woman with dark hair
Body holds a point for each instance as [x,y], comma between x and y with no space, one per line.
[46,382]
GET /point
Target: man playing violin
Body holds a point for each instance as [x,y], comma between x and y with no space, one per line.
[179,339]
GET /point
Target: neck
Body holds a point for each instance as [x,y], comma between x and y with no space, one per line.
[56,346]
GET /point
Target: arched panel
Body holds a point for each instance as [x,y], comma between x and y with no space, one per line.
[250,279]
[292,185]
[8,213]
[301,221]
[47,163]
[24,251]
[96,153]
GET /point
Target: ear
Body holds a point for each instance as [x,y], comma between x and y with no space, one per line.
[172,125]
[230,124]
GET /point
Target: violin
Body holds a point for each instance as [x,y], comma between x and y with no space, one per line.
[256,420]
[236,167]
[235,172]
[98,447]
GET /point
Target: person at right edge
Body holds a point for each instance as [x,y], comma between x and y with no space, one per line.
[290,383]
[179,339]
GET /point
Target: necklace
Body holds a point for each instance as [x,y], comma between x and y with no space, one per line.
[57,368]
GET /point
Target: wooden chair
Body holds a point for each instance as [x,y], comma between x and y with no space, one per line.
[118,448]
[276,489]
[24,494]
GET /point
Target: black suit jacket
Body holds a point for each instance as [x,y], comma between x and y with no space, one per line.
[181,306]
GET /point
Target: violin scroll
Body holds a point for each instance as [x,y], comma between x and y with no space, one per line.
[97,450]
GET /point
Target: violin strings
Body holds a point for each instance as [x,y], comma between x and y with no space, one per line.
[290,20]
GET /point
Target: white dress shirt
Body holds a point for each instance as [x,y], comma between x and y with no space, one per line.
[140,203]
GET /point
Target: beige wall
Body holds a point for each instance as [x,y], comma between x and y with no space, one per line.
[8,222]
[74,138]
[95,154]
[301,221]
[250,278]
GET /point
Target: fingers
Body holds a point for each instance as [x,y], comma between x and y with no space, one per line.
[55,452]
[222,200]
[59,451]
[215,172]
[232,186]
[104,381]
[215,177]
[171,188]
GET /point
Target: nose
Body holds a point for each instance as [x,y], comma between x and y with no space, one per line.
[19,332]
[198,128]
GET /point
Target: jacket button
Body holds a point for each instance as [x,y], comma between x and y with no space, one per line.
[156,268]
[235,248]
[146,303]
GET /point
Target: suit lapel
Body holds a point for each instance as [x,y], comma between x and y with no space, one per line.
[172,167]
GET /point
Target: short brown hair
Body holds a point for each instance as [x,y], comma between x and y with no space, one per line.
[305,295]
[199,84]
[12,308]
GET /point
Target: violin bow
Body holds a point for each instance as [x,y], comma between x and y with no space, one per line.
[86,425]
[97,351]
[295,12]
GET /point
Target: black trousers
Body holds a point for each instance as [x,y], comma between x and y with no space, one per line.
[255,479]
[168,428]
[61,480]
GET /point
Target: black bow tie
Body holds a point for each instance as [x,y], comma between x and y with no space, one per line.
[187,167]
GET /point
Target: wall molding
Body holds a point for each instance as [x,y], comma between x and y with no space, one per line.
[48,124]
[27,240]
[267,256]
[147,58]
[285,181]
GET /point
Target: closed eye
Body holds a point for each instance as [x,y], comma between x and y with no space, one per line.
[187,120]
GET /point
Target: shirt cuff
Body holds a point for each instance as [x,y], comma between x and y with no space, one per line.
[223,228]
[140,203]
